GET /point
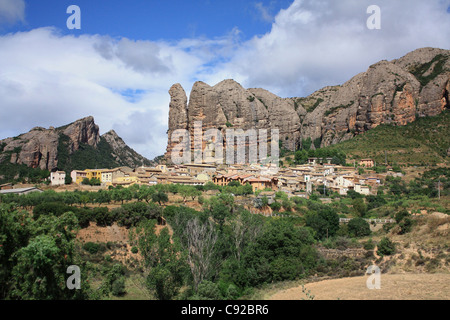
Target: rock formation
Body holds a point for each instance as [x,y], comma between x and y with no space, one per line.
[122,153]
[40,147]
[389,92]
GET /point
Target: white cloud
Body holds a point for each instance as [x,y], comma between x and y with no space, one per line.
[12,11]
[315,43]
[264,12]
[49,79]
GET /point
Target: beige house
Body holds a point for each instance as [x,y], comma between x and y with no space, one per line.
[368,163]
[365,190]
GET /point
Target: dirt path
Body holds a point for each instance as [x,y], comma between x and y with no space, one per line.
[393,287]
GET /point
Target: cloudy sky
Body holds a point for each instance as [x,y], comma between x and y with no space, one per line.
[120,65]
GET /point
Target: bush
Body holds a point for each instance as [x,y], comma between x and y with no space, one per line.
[276,206]
[401,215]
[369,245]
[406,226]
[94,248]
[118,287]
[358,228]
[102,216]
[208,290]
[134,250]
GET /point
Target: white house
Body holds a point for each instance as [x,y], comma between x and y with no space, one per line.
[58,178]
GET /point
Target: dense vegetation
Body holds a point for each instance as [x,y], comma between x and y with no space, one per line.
[86,157]
[423,142]
[219,252]
[21,173]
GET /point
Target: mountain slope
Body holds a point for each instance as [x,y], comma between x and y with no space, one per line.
[75,146]
[394,92]
[423,142]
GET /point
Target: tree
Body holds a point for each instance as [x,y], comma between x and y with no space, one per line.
[325,221]
[160,197]
[167,276]
[102,197]
[301,157]
[245,229]
[68,179]
[95,182]
[359,207]
[201,241]
[40,272]
[145,193]
[281,252]
[358,228]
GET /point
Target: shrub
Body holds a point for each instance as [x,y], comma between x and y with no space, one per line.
[134,250]
[358,228]
[406,226]
[369,245]
[276,206]
[118,287]
[102,216]
[93,248]
[401,215]
[208,290]
[386,247]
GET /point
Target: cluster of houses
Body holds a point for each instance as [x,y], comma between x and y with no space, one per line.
[299,180]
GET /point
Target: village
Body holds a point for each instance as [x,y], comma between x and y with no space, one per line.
[299,181]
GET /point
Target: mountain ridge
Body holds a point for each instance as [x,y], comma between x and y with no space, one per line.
[77,145]
[390,92]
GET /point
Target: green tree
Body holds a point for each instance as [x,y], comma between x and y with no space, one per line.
[160,197]
[164,259]
[359,207]
[68,179]
[358,228]
[145,193]
[324,221]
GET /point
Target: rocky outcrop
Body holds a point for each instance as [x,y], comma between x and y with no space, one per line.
[389,92]
[229,105]
[40,147]
[122,153]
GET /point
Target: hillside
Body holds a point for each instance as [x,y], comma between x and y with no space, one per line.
[78,145]
[423,142]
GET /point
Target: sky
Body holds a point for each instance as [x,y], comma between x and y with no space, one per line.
[119,66]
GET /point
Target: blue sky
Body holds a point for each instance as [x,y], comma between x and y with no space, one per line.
[156,19]
[120,66]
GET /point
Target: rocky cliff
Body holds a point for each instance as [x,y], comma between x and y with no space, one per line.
[57,147]
[389,92]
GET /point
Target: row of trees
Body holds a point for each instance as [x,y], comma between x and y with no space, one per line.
[117,195]
[338,157]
